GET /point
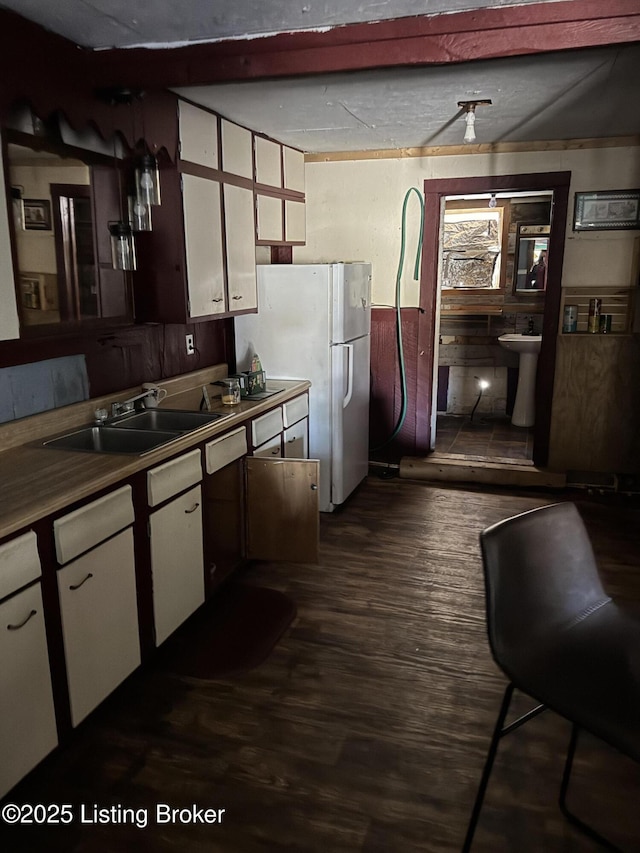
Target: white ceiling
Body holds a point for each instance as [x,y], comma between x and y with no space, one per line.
[568,95]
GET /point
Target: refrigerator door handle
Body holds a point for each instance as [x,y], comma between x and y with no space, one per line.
[349,394]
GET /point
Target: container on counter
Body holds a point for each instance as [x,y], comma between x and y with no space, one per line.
[595,309]
[570,319]
[605,323]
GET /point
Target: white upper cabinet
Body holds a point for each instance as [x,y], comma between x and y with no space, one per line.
[198,135]
[293,169]
[204,246]
[9,323]
[237,150]
[241,248]
[269,215]
[268,162]
[295,221]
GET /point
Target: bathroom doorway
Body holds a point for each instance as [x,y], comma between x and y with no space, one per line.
[483,296]
[436,192]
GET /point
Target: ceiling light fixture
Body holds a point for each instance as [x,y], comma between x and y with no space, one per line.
[469,108]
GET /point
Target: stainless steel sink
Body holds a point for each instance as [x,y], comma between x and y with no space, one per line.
[107,439]
[165,419]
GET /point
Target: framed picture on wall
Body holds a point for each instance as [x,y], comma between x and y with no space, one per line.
[37,214]
[607,211]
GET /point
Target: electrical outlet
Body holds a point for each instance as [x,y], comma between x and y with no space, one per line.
[189,342]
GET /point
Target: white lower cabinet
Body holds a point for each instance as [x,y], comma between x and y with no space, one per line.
[99,612]
[177,563]
[27,717]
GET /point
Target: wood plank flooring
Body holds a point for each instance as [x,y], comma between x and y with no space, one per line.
[366,729]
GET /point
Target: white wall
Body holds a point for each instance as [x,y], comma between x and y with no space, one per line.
[354,210]
[354,213]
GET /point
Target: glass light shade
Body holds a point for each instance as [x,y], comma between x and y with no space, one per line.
[123,247]
[139,214]
[148,180]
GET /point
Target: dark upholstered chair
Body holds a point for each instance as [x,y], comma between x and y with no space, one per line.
[559,638]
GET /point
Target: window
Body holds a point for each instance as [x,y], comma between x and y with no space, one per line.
[472,248]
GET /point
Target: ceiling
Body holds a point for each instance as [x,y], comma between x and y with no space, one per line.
[564,95]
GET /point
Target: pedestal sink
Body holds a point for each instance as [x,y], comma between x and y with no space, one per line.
[527,347]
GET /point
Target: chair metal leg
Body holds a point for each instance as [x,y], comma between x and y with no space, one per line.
[562,800]
[486,773]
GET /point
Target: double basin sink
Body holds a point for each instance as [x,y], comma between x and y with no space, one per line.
[135,432]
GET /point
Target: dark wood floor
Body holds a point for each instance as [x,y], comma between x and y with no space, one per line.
[366,729]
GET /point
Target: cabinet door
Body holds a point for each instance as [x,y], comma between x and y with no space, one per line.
[27,717]
[203,245]
[282,509]
[241,248]
[198,135]
[296,440]
[99,611]
[177,565]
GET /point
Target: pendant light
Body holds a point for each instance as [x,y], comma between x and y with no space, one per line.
[139,214]
[147,174]
[123,247]
[469,108]
[147,179]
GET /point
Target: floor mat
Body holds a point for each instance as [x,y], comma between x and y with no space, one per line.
[234,632]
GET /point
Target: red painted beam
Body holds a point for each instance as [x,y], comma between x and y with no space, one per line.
[422,40]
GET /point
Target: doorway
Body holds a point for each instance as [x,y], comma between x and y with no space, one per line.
[436,191]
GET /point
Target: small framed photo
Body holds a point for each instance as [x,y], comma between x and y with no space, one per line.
[37,214]
[607,211]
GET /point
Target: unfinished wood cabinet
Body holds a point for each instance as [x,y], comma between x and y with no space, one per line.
[282,509]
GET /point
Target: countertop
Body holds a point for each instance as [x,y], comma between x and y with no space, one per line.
[37,481]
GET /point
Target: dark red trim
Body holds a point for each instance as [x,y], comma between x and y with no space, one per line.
[420,40]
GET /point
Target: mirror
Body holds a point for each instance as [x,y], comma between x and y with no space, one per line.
[532,258]
[62,200]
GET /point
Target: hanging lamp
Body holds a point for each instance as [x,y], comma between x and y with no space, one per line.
[469,108]
[123,247]
[147,179]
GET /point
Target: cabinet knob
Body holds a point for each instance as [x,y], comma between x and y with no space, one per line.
[23,623]
[314,488]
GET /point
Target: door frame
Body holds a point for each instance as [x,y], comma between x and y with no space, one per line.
[434,192]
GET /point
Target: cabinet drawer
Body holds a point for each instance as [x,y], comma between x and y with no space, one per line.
[173,477]
[271,448]
[19,563]
[221,451]
[86,527]
[266,426]
[295,410]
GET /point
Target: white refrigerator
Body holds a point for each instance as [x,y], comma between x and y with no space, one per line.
[314,322]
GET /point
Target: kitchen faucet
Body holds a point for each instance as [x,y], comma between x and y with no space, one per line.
[121,408]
